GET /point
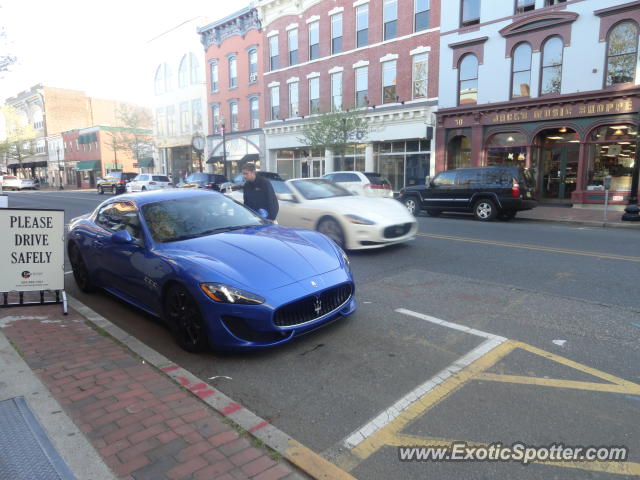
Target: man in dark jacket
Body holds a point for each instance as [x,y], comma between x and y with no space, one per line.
[258,192]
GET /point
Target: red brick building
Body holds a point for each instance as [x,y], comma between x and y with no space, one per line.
[233,50]
[378,55]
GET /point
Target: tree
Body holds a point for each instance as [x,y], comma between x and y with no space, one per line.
[6,59]
[135,135]
[19,142]
[335,131]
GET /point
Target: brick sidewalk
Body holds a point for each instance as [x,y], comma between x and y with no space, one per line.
[143,424]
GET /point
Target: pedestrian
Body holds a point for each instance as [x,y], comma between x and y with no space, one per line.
[258,193]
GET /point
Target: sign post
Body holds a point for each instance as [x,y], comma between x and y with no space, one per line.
[607,187]
[32,255]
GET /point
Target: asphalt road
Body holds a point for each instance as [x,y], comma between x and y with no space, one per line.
[564,300]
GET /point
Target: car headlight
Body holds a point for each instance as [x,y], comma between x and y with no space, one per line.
[225,294]
[359,220]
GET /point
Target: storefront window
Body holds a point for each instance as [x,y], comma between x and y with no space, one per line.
[613,152]
[459,153]
[403,163]
[508,148]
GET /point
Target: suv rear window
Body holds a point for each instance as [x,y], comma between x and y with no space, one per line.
[160,178]
[376,179]
[346,177]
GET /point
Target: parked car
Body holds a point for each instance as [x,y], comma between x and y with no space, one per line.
[148,181]
[216,273]
[370,184]
[115,182]
[352,221]
[487,192]
[203,180]
[238,180]
[11,182]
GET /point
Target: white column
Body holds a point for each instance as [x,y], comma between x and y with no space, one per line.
[272,163]
[328,161]
[368,158]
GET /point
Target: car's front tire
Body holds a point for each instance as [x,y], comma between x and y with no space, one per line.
[144,189]
[485,210]
[80,271]
[332,229]
[100,191]
[411,203]
[185,320]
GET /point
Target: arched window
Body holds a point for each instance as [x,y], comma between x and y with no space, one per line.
[159,80]
[38,117]
[183,72]
[551,66]
[195,69]
[622,53]
[468,80]
[521,71]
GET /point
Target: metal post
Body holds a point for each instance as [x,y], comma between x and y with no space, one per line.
[224,148]
[632,212]
[60,187]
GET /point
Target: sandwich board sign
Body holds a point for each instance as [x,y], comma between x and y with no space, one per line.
[31,252]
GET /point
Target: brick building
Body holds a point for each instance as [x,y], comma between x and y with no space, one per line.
[377,55]
[235,91]
[93,153]
[52,111]
[547,84]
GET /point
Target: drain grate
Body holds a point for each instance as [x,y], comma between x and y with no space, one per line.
[26,453]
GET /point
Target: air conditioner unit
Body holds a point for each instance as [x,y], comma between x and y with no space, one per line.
[253,77]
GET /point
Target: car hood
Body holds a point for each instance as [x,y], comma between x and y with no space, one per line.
[260,258]
[379,210]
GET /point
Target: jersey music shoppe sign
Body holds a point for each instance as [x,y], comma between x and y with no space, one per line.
[31,250]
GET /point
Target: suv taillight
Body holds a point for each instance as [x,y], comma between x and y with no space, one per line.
[515,190]
[122,181]
[152,183]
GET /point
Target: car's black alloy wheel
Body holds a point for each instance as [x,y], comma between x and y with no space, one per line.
[185,320]
[80,271]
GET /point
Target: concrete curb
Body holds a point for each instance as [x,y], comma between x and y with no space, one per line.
[302,457]
[583,223]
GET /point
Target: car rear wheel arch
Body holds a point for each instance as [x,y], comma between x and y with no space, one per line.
[341,240]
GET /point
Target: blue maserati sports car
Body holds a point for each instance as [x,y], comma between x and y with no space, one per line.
[214,271]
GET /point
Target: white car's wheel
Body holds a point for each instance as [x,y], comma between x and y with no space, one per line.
[332,229]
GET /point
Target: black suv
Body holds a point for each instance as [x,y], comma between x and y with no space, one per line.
[115,182]
[203,180]
[487,192]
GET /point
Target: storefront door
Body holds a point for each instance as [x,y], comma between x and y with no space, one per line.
[559,172]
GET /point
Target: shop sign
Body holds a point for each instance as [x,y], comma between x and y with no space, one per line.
[31,250]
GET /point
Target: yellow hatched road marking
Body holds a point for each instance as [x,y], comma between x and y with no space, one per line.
[390,435]
[540,248]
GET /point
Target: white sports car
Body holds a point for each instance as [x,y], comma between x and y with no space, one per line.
[352,221]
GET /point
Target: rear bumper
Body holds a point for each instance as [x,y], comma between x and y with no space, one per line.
[518,204]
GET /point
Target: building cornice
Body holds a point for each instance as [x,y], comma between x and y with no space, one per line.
[238,24]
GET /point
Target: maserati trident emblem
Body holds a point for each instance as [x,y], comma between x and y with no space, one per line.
[317,306]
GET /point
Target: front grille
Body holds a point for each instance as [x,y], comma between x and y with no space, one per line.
[314,306]
[395,231]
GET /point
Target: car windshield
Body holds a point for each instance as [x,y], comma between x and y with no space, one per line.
[317,188]
[279,186]
[191,217]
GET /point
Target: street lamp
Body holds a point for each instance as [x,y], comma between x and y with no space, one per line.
[224,147]
[60,187]
[632,212]
[197,142]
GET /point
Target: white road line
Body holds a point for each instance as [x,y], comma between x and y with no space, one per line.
[391,413]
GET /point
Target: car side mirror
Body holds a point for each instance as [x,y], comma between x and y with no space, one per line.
[427,180]
[286,197]
[122,237]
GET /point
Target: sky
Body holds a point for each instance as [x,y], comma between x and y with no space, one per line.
[92,46]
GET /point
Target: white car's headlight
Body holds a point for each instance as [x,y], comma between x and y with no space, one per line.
[359,220]
[225,294]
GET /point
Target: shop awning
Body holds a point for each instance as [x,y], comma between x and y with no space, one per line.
[215,159]
[88,165]
[250,157]
[145,162]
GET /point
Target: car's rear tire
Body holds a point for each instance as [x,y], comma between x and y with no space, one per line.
[332,229]
[80,271]
[485,210]
[433,213]
[185,320]
[411,203]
